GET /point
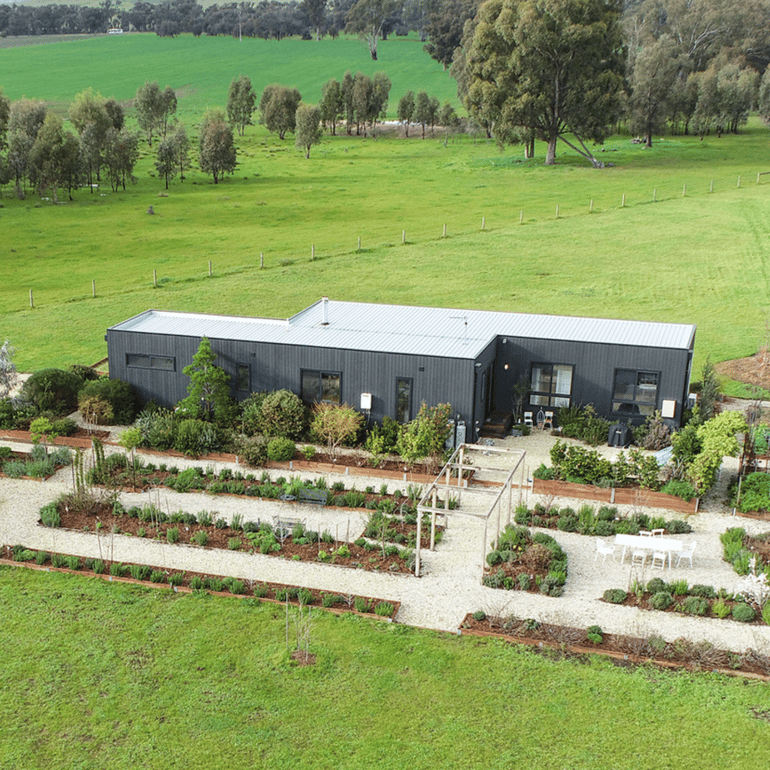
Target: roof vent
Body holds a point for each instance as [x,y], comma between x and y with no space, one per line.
[324,311]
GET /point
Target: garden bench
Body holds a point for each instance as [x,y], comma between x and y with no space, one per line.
[312,496]
[283,526]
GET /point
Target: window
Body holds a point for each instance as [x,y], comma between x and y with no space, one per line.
[166,363]
[551,385]
[321,386]
[403,399]
[243,377]
[635,392]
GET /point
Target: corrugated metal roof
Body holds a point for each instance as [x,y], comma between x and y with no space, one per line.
[427,331]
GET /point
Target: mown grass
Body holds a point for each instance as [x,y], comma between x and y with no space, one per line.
[102,675]
[697,258]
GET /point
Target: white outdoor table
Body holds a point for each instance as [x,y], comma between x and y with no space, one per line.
[667,544]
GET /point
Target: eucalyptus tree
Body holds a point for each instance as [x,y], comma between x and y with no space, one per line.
[241,100]
[217,154]
[550,68]
[308,128]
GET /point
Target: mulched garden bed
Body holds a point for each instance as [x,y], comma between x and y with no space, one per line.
[271,592]
[101,519]
[80,439]
[624,650]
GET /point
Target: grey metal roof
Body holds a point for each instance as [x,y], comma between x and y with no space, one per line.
[427,331]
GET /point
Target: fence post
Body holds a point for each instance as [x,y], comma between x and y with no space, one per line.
[739,182]
[209,268]
[684,190]
[312,252]
[483,223]
[521,217]
[655,195]
[591,206]
[31,299]
[444,236]
[403,236]
[557,211]
[623,202]
[359,243]
[261,259]
[155,278]
[712,186]
[93,287]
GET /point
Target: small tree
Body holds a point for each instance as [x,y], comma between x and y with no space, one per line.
[335,424]
[130,439]
[240,103]
[426,435]
[308,131]
[217,149]
[209,388]
[8,374]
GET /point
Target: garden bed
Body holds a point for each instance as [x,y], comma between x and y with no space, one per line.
[615,495]
[679,597]
[103,517]
[625,650]
[80,439]
[186,582]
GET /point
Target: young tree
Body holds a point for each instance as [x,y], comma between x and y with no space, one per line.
[121,152]
[166,161]
[88,113]
[182,150]
[209,388]
[406,110]
[309,129]
[240,103]
[331,105]
[335,424]
[422,110]
[8,374]
[25,120]
[217,150]
[154,108]
[553,68]
[278,107]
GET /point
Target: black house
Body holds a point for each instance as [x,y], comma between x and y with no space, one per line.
[387,359]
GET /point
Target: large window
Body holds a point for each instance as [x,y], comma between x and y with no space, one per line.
[167,363]
[403,399]
[243,378]
[551,385]
[635,392]
[321,386]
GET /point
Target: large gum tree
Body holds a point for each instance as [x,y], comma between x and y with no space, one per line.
[547,69]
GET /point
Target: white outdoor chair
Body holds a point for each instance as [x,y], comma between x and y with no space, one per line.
[659,559]
[528,419]
[604,550]
[686,554]
[644,533]
[548,420]
[658,532]
[639,557]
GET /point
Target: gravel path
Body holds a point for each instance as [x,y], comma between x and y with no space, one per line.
[450,586]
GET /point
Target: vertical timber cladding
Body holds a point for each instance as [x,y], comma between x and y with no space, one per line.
[594,366]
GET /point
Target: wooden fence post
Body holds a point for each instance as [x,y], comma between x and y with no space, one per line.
[359,243]
[623,202]
[31,299]
[591,206]
[444,236]
[655,195]
[155,278]
[209,268]
[684,190]
[261,259]
[521,217]
[403,236]
[557,211]
[93,287]
[483,223]
[312,252]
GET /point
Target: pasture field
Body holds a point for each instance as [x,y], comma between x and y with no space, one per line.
[102,675]
[200,69]
[692,256]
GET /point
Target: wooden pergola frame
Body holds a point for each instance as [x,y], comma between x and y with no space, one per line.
[450,480]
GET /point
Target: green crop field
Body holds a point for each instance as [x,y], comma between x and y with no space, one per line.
[673,234]
[101,675]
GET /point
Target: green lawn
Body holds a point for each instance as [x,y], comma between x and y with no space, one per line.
[100,675]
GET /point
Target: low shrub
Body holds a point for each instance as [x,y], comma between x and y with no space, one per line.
[157,576]
[176,578]
[120,396]
[201,537]
[695,605]
[615,595]
[52,390]
[720,608]
[595,634]
[280,449]
[252,449]
[49,515]
[139,571]
[361,604]
[117,569]
[661,600]
[384,609]
[744,613]
[707,592]
[196,437]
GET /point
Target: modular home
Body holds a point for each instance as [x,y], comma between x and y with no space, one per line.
[388,359]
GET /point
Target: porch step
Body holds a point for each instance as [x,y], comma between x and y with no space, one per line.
[497,425]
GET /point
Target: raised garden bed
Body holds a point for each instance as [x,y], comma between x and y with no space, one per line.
[635,496]
[524,562]
[679,597]
[604,522]
[253,537]
[37,465]
[80,439]
[625,650]
[158,577]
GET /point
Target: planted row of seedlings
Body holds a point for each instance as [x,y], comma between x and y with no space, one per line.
[600,522]
[207,529]
[119,472]
[522,561]
[197,581]
[683,652]
[37,464]
[680,596]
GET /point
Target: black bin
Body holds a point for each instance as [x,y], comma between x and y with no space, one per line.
[619,435]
